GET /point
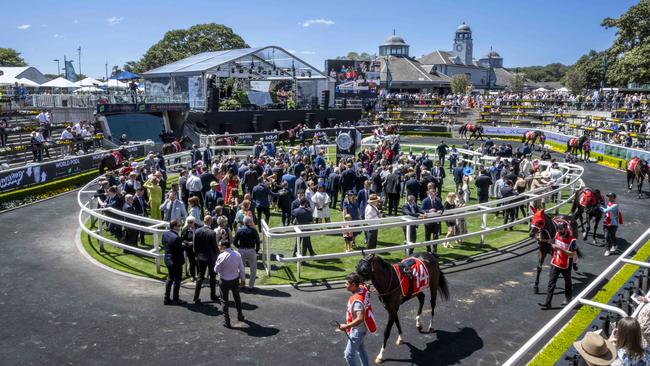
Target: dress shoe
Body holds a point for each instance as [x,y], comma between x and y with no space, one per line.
[179,302]
[197,301]
[240,317]
[226,323]
[168,302]
[565,302]
[544,306]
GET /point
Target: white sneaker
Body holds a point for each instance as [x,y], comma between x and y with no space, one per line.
[614,248]
[606,253]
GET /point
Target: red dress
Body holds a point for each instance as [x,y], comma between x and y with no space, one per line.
[232,185]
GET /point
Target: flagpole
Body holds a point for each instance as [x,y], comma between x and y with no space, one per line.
[65,67]
[79,49]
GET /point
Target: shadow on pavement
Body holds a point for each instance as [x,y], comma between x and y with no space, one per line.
[271,292]
[255,330]
[449,349]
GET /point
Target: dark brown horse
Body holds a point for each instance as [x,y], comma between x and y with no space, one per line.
[386,281]
[476,131]
[175,146]
[574,145]
[543,229]
[113,159]
[289,135]
[637,170]
[587,201]
[532,136]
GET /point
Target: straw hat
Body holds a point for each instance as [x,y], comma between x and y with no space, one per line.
[373,198]
[595,349]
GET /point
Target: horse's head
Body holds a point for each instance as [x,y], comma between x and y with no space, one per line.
[538,222]
[364,267]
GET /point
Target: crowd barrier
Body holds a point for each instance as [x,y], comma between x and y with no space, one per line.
[571,181]
[582,298]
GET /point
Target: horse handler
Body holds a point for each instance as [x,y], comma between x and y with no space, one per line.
[564,249]
[359,320]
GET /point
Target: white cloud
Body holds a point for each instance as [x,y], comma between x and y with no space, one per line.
[56,35]
[114,20]
[308,52]
[322,21]
[24,26]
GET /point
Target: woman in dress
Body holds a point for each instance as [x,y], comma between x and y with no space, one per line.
[194,209]
[450,204]
[232,184]
[321,201]
[154,192]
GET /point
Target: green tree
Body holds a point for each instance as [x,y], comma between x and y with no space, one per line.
[11,57]
[575,79]
[516,82]
[459,84]
[354,56]
[180,43]
[630,52]
[591,65]
[550,72]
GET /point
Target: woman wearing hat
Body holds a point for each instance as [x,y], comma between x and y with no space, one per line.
[595,350]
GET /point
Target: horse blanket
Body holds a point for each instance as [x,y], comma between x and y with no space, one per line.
[419,279]
[177,146]
[588,198]
[471,127]
[573,141]
[631,165]
[118,157]
[530,135]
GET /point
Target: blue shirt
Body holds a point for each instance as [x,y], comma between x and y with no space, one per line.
[351,208]
[291,180]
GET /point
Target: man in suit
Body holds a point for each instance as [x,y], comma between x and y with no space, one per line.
[303,215]
[412,186]
[173,209]
[205,249]
[438,174]
[347,181]
[411,209]
[250,178]
[114,200]
[334,186]
[131,184]
[140,206]
[206,179]
[458,175]
[483,183]
[431,205]
[260,196]
[392,189]
[174,260]
[196,154]
[442,152]
[212,196]
[207,156]
[301,182]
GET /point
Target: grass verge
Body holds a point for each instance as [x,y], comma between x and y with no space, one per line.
[555,348]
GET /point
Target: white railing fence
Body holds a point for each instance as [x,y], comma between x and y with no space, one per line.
[582,299]
[570,182]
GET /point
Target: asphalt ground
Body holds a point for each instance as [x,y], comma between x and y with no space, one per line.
[58,308]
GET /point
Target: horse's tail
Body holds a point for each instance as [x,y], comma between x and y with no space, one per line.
[443,288]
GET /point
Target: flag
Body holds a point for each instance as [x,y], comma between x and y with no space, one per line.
[69,71]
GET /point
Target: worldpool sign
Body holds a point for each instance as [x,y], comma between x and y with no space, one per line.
[603,148]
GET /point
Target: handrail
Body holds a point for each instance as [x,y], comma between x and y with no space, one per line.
[580,299]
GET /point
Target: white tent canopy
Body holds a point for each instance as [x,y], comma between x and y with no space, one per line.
[8,80]
[28,83]
[541,89]
[88,82]
[112,83]
[59,82]
[563,90]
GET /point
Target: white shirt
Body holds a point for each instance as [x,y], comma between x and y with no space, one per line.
[66,135]
[193,183]
[230,266]
[372,212]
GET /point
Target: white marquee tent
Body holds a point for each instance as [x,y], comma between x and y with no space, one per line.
[28,83]
[112,83]
[89,82]
[59,82]
[8,80]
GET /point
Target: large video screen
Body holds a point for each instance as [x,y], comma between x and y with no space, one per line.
[354,78]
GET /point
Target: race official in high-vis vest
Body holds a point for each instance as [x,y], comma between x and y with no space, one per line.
[564,249]
[613,219]
[359,320]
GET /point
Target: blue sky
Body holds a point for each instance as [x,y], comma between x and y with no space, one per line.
[523,32]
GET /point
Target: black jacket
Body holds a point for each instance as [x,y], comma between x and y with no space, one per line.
[483,183]
[211,198]
[333,184]
[140,207]
[413,187]
[173,246]
[392,184]
[302,215]
[348,178]
[205,244]
[247,238]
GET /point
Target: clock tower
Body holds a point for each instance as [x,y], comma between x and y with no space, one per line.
[463,44]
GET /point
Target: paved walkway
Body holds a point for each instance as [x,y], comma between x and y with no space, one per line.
[58,308]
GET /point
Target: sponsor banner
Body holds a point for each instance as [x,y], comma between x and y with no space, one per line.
[603,148]
[143,108]
[347,141]
[45,172]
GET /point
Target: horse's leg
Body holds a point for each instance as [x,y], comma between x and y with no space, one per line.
[400,339]
[418,324]
[630,181]
[540,261]
[640,187]
[389,326]
[597,218]
[588,229]
[433,287]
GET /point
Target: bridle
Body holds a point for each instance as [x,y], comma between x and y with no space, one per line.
[375,291]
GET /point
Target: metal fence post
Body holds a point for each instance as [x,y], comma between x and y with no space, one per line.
[156,247]
[100,229]
[299,247]
[408,239]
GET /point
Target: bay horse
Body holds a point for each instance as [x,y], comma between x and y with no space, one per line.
[289,135]
[543,228]
[386,281]
[175,146]
[113,159]
[637,170]
[476,131]
[587,200]
[574,145]
[532,136]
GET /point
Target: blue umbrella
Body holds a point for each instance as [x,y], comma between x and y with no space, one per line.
[125,75]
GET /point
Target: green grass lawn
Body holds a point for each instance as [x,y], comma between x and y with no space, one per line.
[324,270]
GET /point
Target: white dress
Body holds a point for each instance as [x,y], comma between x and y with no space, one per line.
[321,201]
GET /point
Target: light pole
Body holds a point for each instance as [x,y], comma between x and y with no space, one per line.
[58,67]
[79,49]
